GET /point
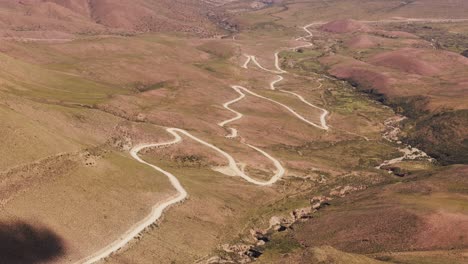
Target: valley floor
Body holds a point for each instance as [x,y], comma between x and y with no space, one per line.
[282,143]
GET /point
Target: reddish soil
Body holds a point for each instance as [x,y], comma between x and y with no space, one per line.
[344,26]
[361,73]
[364,42]
[426,84]
[98,16]
[405,72]
[444,230]
[420,61]
[394,34]
[396,218]
[367,230]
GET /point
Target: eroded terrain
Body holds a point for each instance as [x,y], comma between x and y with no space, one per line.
[233,132]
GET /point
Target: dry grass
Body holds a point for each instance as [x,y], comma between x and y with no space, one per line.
[97,92]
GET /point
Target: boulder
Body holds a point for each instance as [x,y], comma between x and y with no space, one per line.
[239,248]
[341,191]
[259,235]
[275,221]
[302,213]
[319,199]
[253,253]
[465,53]
[317,206]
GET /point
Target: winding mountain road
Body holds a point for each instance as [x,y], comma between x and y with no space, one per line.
[323,117]
[239,89]
[238,116]
[158,209]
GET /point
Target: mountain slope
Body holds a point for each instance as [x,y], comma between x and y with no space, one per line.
[97,16]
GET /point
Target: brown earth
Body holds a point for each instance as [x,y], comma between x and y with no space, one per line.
[27,17]
[344,26]
[424,213]
[421,61]
[325,255]
[111,92]
[365,41]
[414,77]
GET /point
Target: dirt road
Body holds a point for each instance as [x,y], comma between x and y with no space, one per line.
[158,209]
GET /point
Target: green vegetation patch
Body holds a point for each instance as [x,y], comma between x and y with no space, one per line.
[34,82]
[435,201]
[218,67]
[437,34]
[282,243]
[346,102]
[142,87]
[443,136]
[302,60]
[217,49]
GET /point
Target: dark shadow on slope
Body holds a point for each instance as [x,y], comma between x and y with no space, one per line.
[26,244]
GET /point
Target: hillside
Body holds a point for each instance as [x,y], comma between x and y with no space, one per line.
[233,131]
[27,18]
[411,74]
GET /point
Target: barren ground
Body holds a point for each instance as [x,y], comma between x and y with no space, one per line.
[82,83]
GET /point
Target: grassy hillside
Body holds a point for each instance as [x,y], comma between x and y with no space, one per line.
[57,18]
[410,221]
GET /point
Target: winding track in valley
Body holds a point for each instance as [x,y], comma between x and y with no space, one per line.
[158,209]
[239,89]
[323,117]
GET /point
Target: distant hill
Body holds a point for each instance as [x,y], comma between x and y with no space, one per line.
[98,16]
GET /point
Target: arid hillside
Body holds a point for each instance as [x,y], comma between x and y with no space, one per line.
[416,76]
[402,222]
[233,131]
[410,56]
[30,18]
